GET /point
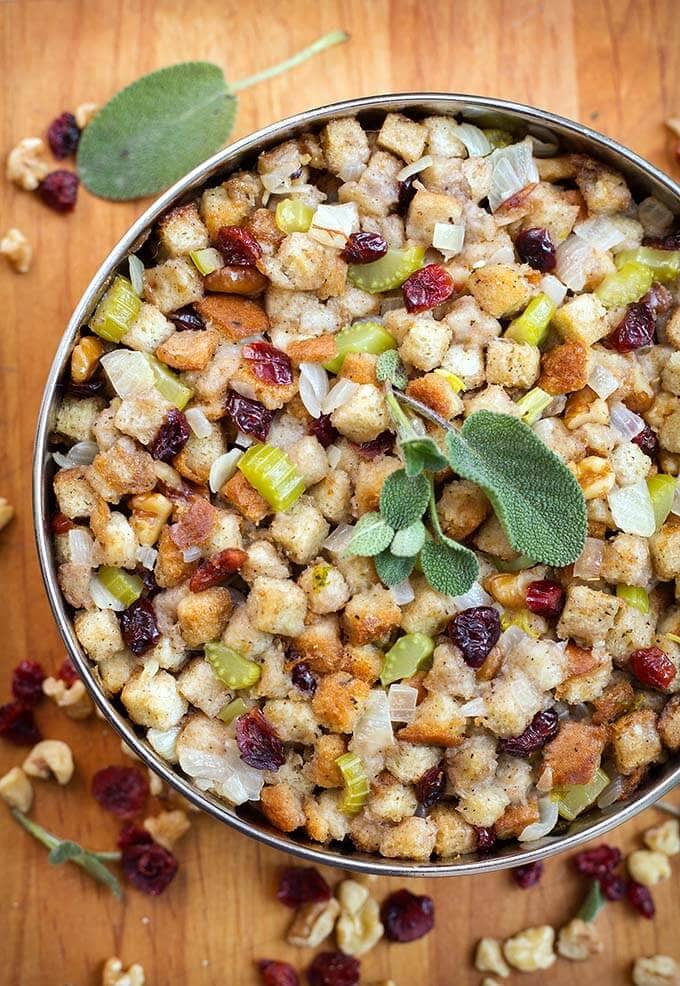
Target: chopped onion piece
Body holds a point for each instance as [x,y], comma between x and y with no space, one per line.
[553,287]
[241,782]
[343,391]
[612,792]
[403,593]
[192,554]
[549,813]
[512,169]
[243,441]
[373,731]
[573,259]
[81,547]
[313,387]
[476,142]
[632,509]
[475,707]
[589,563]
[601,232]
[198,422]
[545,781]
[164,742]
[625,422]
[656,218]
[475,596]
[130,372]
[415,168]
[510,638]
[104,599]
[332,224]
[402,700]
[80,454]
[602,381]
[136,274]
[556,406]
[448,238]
[338,539]
[146,556]
[544,142]
[334,455]
[223,468]
[503,255]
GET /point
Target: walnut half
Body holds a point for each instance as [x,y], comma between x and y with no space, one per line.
[26,166]
[113,974]
[15,247]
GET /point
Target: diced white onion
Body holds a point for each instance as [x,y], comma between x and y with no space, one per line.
[573,260]
[136,274]
[415,168]
[313,387]
[448,238]
[545,144]
[243,387]
[223,468]
[164,742]
[338,539]
[475,596]
[510,638]
[403,593]
[192,554]
[373,731]
[503,255]
[549,813]
[475,707]
[129,372]
[334,455]
[198,422]
[546,781]
[224,772]
[402,700]
[602,381]
[475,140]
[625,422]
[81,547]
[242,440]
[656,218]
[601,232]
[343,391]
[632,509]
[612,792]
[146,556]
[589,563]
[512,169]
[104,599]
[332,224]
[553,287]
[80,454]
[555,407]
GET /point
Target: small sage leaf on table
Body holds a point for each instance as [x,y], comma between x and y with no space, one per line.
[371,536]
[403,499]
[392,570]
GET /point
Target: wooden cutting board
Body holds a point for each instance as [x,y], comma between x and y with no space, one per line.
[612,65]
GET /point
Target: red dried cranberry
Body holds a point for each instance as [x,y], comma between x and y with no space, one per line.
[277,973]
[475,631]
[536,248]
[641,899]
[238,246]
[61,524]
[636,329]
[151,587]
[429,789]
[121,790]
[597,861]
[333,969]
[486,837]
[269,364]
[528,875]
[670,242]
[133,835]
[652,667]
[323,430]
[613,886]
[381,445]
[302,885]
[406,194]
[249,416]
[172,436]
[216,569]
[18,725]
[542,728]
[258,744]
[63,135]
[186,319]
[67,673]
[303,679]
[27,679]
[88,388]
[427,288]
[406,916]
[545,598]
[658,299]
[647,441]
[138,627]
[364,248]
[148,866]
[59,190]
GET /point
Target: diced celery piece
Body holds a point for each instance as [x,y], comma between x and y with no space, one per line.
[634,596]
[293,216]
[533,404]
[125,586]
[116,311]
[273,475]
[662,491]
[208,260]
[407,656]
[664,263]
[389,272]
[453,381]
[626,285]
[532,325]
[232,710]
[519,618]
[575,798]
[362,337]
[355,794]
[168,384]
[230,667]
[498,138]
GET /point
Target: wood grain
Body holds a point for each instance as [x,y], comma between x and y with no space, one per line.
[611,64]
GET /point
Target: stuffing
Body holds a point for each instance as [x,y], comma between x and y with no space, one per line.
[171,569]
[575,753]
[300,531]
[377,190]
[467,362]
[665,549]
[603,188]
[437,721]
[241,635]
[172,285]
[462,507]
[339,700]
[333,496]
[500,289]
[319,645]
[565,368]
[203,616]
[148,330]
[635,740]
[371,615]
[229,203]
[436,392]
[324,769]
[364,417]
[309,457]
[181,231]
[323,819]
[262,558]
[426,342]
[325,588]
[588,614]
[515,819]
[583,319]
[345,148]
[491,539]
[233,317]
[630,464]
[303,264]
[403,137]
[414,838]
[277,606]
[189,350]
[122,469]
[630,631]
[449,673]
[426,210]
[282,806]
[454,836]
[512,364]
[669,724]
[368,482]
[293,722]
[75,496]
[492,398]
[76,417]
[627,559]
[198,684]
[429,612]
[153,701]
[245,498]
[99,633]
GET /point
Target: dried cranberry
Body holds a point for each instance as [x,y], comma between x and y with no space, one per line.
[323,430]
[429,789]
[138,627]
[172,436]
[148,866]
[238,246]
[597,861]
[249,416]
[641,899]
[63,135]
[121,790]
[151,587]
[133,835]
[613,886]
[542,728]
[18,725]
[536,248]
[427,288]
[186,319]
[647,441]
[277,973]
[27,679]
[486,837]
[652,667]
[406,916]
[475,631]
[528,875]
[88,388]
[381,445]
[269,364]
[67,673]
[545,598]
[333,969]
[658,299]
[670,242]
[302,885]
[636,329]
[214,570]
[61,524]
[258,744]
[406,194]
[364,248]
[59,190]
[303,679]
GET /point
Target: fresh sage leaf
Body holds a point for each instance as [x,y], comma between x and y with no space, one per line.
[392,570]
[390,367]
[449,567]
[593,903]
[408,542]
[421,454]
[403,499]
[371,535]
[65,851]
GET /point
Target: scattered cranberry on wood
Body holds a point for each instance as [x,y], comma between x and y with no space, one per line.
[121,790]
[27,679]
[406,916]
[277,973]
[302,885]
[59,190]
[18,725]
[333,969]
[63,135]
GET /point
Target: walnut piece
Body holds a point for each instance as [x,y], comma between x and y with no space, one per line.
[15,247]
[16,790]
[647,867]
[85,113]
[168,828]
[74,700]
[6,512]
[359,927]
[50,758]
[579,940]
[26,166]
[313,923]
[113,974]
[489,957]
[664,838]
[656,970]
[155,784]
[531,949]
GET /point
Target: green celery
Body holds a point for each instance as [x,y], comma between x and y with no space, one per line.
[533,404]
[273,475]
[408,655]
[232,710]
[662,491]
[389,272]
[575,798]
[231,668]
[116,311]
[362,337]
[355,794]
[293,216]
[208,260]
[126,587]
[626,285]
[168,384]
[664,263]
[532,325]
[634,596]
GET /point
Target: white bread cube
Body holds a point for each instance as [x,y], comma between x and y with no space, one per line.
[583,319]
[627,560]
[403,137]
[277,606]
[155,701]
[325,587]
[309,456]
[99,633]
[364,417]
[467,362]
[75,496]
[263,559]
[294,722]
[427,209]
[333,496]
[76,417]
[588,614]
[173,284]
[377,190]
[512,364]
[198,684]
[345,147]
[300,531]
[442,139]
[426,343]
[469,325]
[149,330]
[181,231]
[241,635]
[142,416]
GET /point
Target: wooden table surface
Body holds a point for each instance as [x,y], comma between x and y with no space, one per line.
[609,63]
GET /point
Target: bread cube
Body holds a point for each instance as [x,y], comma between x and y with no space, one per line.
[324,820]
[467,362]
[181,231]
[575,753]
[670,378]
[369,481]
[604,189]
[500,289]
[363,662]
[437,721]
[391,801]
[149,329]
[512,364]
[325,588]
[492,539]
[442,139]
[427,209]
[203,616]
[245,498]
[426,343]
[588,614]
[75,496]
[377,190]
[243,636]
[228,204]
[512,700]
[669,433]
[262,558]
[309,456]
[155,701]
[553,209]
[324,770]
[339,701]
[300,531]
[191,350]
[120,470]
[483,804]
[319,645]
[403,137]
[635,740]
[429,611]
[364,417]
[76,417]
[665,549]
[583,319]
[170,568]
[115,671]
[118,541]
[631,631]
[669,724]
[141,416]
[454,835]
[333,496]
[414,838]
[277,606]
[434,390]
[627,559]
[198,684]
[462,507]
[282,806]
[371,615]
[173,285]
[565,368]
[197,456]
[469,325]
[99,633]
[450,674]
[345,148]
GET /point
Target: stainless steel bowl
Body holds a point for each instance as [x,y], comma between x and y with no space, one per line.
[644,180]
